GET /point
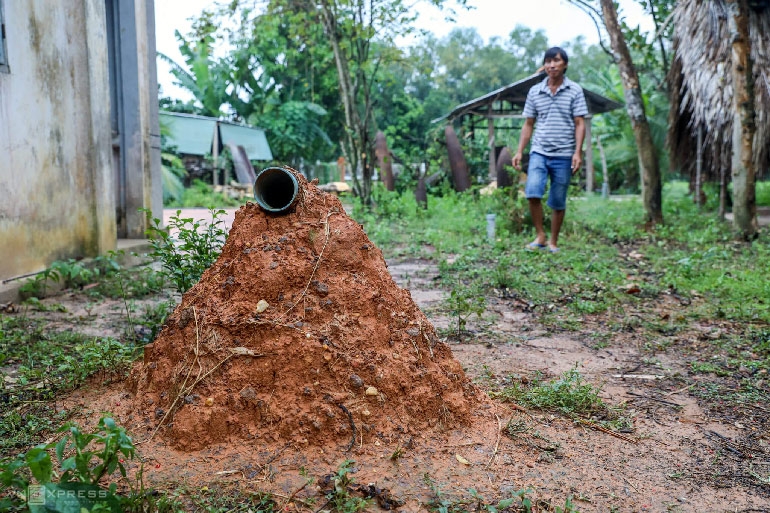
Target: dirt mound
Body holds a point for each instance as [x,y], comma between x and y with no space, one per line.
[298,333]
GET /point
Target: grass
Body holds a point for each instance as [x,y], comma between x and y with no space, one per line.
[201,194]
[569,394]
[693,257]
[37,365]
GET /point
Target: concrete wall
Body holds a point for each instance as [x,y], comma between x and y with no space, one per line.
[55,175]
[59,191]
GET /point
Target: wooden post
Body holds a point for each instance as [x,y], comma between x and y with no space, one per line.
[215,154]
[491,145]
[698,164]
[605,178]
[589,157]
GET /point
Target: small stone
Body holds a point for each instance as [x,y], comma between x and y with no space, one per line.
[321,288]
[356,381]
[262,306]
[366,412]
[372,391]
[413,332]
[209,401]
[248,393]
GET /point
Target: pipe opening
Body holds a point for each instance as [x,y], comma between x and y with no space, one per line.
[275,189]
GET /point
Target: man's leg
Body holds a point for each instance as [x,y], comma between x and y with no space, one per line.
[537,177]
[536,210]
[557,198]
[557,218]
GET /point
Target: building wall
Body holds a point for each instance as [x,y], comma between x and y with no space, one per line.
[59,191]
[55,176]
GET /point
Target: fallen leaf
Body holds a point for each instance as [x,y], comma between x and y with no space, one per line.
[244,351]
[462,460]
[632,288]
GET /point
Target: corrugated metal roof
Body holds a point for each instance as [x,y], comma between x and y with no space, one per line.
[194,135]
[516,94]
[253,140]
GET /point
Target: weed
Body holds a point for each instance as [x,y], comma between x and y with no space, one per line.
[570,394]
[397,454]
[463,302]
[133,283]
[38,305]
[443,504]
[192,248]
[218,499]
[24,427]
[84,460]
[338,490]
[152,320]
[41,364]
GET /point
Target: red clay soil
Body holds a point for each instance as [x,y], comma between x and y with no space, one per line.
[299,337]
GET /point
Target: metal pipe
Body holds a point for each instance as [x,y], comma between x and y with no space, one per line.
[275,189]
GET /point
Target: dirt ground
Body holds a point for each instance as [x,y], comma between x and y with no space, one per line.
[680,454]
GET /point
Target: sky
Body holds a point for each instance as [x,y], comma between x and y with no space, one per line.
[560,20]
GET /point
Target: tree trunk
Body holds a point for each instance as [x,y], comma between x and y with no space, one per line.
[651,183]
[744,192]
[457,163]
[504,176]
[356,143]
[384,161]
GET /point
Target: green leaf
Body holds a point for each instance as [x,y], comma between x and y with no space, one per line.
[40,464]
[61,447]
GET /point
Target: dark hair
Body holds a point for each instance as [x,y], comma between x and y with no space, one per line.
[553,52]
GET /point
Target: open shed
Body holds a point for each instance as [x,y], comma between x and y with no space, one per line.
[508,102]
[202,135]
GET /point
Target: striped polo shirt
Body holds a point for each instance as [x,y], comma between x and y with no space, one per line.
[554,117]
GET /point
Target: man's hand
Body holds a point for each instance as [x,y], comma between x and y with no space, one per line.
[516,161]
[577,160]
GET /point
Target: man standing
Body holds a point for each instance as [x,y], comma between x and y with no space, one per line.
[559,106]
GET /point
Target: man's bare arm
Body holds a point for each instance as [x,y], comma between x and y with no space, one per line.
[526,135]
[580,134]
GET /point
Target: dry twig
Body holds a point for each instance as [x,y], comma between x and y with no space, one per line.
[497,443]
[603,429]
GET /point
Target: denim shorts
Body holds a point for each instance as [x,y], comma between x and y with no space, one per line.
[559,169]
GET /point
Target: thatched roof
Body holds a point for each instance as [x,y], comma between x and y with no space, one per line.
[702,88]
